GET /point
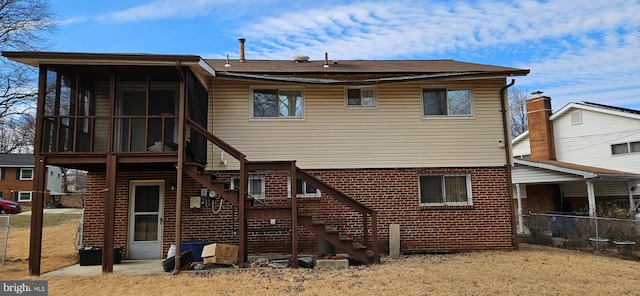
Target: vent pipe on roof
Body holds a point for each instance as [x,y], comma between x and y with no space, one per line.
[242,40]
[326,60]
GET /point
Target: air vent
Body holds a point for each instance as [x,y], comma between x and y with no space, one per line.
[301,59]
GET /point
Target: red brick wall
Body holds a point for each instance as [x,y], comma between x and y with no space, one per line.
[541,139]
[10,185]
[393,193]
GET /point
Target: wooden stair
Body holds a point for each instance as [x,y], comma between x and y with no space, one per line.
[248,210]
[332,235]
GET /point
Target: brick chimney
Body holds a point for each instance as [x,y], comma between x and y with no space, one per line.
[541,138]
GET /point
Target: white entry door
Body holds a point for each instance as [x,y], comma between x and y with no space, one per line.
[145,225]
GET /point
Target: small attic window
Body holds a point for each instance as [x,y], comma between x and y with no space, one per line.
[576,117]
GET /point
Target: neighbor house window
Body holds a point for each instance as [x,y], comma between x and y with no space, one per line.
[26,174]
[625,148]
[303,189]
[24,196]
[361,97]
[277,103]
[447,189]
[256,186]
[576,117]
[449,102]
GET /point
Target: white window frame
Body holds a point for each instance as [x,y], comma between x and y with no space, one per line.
[469,201]
[20,193]
[447,89]
[250,188]
[22,170]
[304,190]
[278,89]
[629,145]
[576,117]
[361,105]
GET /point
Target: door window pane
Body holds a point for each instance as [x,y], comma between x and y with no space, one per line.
[147,199]
[146,228]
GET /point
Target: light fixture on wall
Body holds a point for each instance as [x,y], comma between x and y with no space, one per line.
[173,186]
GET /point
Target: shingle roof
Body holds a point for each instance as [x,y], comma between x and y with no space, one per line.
[359,66]
[577,168]
[17,160]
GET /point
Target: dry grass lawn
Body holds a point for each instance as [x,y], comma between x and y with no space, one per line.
[534,270]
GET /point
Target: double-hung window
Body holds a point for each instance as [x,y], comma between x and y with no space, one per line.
[361,97]
[445,190]
[26,174]
[277,103]
[446,102]
[256,186]
[24,196]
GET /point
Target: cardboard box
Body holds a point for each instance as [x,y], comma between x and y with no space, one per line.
[220,254]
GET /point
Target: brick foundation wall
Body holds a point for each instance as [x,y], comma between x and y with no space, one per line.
[393,193]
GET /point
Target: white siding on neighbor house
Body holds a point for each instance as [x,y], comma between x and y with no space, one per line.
[54,179]
[521,148]
[523,175]
[589,143]
[392,135]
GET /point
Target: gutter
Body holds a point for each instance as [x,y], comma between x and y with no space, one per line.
[507,154]
[292,78]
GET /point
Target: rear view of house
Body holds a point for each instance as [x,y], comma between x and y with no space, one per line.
[278,155]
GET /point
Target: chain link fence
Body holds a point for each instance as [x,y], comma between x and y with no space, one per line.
[60,237]
[585,233]
[4,235]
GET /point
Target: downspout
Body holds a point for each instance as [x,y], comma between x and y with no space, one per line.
[179,166]
[507,155]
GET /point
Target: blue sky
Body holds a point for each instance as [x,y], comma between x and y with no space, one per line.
[578,50]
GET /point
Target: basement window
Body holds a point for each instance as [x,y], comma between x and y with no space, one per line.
[256,186]
[303,189]
[445,190]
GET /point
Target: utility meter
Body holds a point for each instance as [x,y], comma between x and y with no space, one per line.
[212,194]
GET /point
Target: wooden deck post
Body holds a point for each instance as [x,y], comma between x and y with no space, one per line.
[182,106]
[109,214]
[294,215]
[242,219]
[35,236]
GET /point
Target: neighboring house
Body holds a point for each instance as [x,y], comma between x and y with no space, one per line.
[361,145]
[582,158]
[16,178]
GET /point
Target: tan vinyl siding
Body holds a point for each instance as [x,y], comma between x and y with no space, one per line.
[101,131]
[393,135]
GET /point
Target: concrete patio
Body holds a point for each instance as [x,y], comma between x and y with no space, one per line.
[133,267]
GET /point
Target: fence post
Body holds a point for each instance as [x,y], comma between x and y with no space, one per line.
[6,239]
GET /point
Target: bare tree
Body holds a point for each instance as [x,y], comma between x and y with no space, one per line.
[74,180]
[24,25]
[17,135]
[518,111]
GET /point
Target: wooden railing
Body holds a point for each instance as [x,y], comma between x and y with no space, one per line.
[353,204]
[296,172]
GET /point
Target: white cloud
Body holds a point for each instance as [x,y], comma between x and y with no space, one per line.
[576,49]
[161,9]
